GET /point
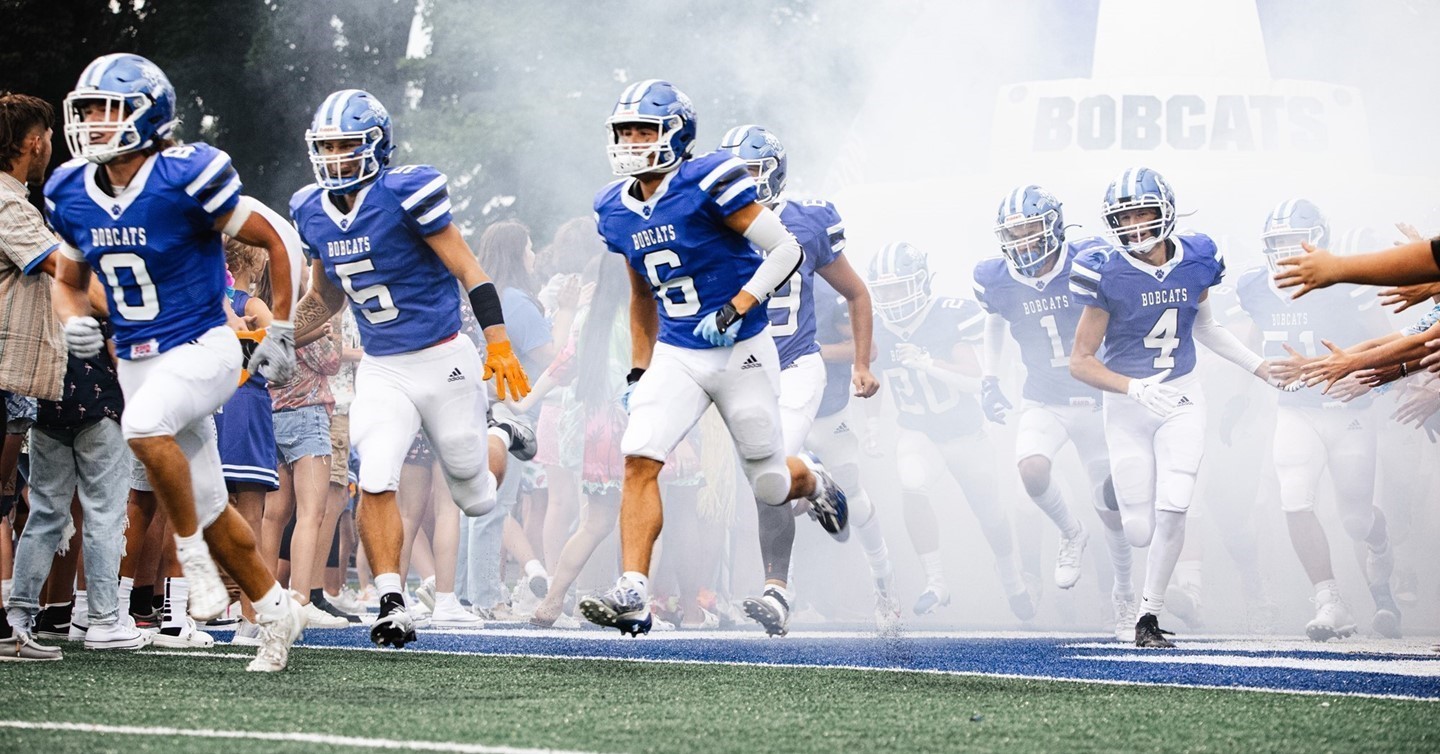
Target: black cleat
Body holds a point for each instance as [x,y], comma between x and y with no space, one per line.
[394,627]
[1149,634]
[770,610]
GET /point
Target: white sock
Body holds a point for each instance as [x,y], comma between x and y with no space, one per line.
[177,598]
[1121,558]
[127,585]
[1052,502]
[388,583]
[934,571]
[639,581]
[273,605]
[1165,548]
[80,611]
[872,541]
[1329,588]
[535,568]
[192,544]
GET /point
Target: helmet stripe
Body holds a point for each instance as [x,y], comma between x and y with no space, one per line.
[1016,197]
[641,88]
[1135,181]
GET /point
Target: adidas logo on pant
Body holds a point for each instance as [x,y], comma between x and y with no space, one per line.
[1355,424]
[455,375]
[750,362]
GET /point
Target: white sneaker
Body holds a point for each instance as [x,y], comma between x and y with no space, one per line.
[247,634]
[1067,562]
[449,614]
[77,630]
[933,598]
[426,593]
[317,618]
[118,635]
[189,637]
[208,597]
[346,600]
[276,636]
[368,599]
[1127,611]
[1333,619]
[523,600]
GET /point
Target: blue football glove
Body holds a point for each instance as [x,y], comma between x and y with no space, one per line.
[715,327]
[993,400]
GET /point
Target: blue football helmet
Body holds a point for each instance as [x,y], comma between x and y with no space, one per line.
[1031,229]
[139,107]
[1291,222]
[349,115]
[900,281]
[763,152]
[1139,189]
[654,103]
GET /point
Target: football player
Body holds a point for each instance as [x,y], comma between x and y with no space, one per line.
[1315,431]
[1026,291]
[1146,301]
[818,228]
[689,228]
[148,214]
[926,346]
[383,238]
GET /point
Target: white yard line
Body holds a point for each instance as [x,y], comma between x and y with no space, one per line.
[305,738]
[1414,668]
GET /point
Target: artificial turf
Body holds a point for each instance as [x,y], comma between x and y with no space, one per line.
[611,706]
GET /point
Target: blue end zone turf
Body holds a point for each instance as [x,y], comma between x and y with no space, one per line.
[1370,668]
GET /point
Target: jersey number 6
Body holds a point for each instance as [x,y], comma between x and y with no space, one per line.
[687,303]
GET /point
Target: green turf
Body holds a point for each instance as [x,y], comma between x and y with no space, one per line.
[619,706]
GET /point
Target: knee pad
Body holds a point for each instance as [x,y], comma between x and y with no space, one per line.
[1358,522]
[1133,483]
[769,479]
[914,476]
[1174,491]
[1105,499]
[861,507]
[376,477]
[1035,474]
[847,475]
[1138,529]
[755,433]
[462,456]
[475,496]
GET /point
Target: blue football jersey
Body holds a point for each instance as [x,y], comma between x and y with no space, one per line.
[832,325]
[404,298]
[817,226]
[154,245]
[1152,309]
[926,404]
[1343,315]
[1042,315]
[678,241]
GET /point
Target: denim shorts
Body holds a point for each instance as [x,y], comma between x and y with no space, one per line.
[301,432]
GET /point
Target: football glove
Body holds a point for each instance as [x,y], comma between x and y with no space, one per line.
[993,400]
[715,326]
[274,358]
[1161,399]
[501,363]
[83,337]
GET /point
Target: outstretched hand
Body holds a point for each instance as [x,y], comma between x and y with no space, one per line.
[1316,268]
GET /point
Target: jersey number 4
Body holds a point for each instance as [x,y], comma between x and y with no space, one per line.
[1162,337]
[386,310]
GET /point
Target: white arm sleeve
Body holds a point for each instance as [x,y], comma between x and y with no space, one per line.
[995,327]
[286,231]
[1210,334]
[782,254]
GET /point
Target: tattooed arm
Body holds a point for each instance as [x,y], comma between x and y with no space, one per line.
[317,306]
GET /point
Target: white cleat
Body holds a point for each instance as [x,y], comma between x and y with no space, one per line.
[276,636]
[933,598]
[1127,611]
[1067,562]
[208,596]
[1333,619]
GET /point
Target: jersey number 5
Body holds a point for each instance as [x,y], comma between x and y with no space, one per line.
[1162,337]
[386,310]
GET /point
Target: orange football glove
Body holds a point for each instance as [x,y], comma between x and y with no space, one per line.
[249,340]
[502,364]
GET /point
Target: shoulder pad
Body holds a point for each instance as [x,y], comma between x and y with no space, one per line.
[1200,244]
[407,179]
[299,197]
[608,193]
[989,270]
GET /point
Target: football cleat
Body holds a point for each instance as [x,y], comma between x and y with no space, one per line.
[933,598]
[1148,633]
[1024,603]
[1333,619]
[208,596]
[1184,602]
[887,615]
[622,608]
[1387,614]
[1067,562]
[276,636]
[1126,609]
[522,436]
[395,627]
[771,610]
[830,508]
